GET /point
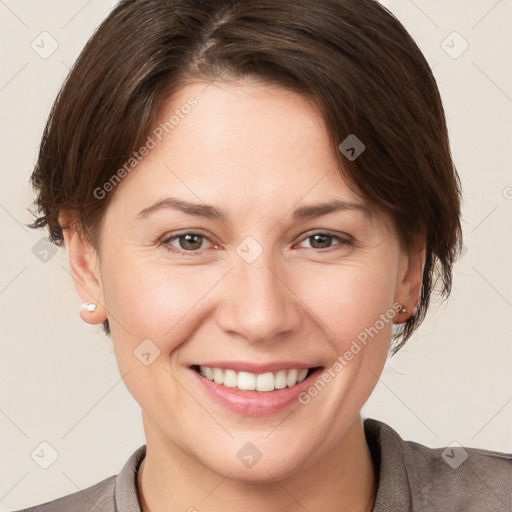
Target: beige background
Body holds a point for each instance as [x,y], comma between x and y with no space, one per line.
[59,379]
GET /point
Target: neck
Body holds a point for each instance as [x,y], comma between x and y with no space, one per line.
[171,480]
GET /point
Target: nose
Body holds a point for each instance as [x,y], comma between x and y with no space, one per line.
[258,304]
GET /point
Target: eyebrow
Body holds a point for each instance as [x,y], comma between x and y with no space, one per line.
[210,212]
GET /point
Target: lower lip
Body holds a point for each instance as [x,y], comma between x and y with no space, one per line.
[255,403]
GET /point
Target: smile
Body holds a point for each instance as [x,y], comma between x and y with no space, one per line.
[247,381]
[254,389]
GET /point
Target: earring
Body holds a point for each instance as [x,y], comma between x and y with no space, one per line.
[404,310]
[89,306]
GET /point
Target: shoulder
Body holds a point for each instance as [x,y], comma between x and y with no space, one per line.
[448,478]
[97,497]
[114,494]
[471,478]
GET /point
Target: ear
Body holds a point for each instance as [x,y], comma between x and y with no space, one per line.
[408,291]
[84,268]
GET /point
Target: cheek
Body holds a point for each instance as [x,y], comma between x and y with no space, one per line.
[152,301]
[152,310]
[349,297]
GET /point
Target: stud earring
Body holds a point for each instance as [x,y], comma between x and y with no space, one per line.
[89,306]
[405,310]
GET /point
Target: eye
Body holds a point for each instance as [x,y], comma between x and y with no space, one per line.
[323,240]
[186,242]
[192,242]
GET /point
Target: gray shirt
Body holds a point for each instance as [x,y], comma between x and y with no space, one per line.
[411,477]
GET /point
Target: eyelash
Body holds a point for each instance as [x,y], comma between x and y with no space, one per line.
[167,241]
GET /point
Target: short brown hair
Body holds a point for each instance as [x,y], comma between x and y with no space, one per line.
[352,58]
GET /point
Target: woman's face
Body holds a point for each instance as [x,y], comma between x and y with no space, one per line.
[244,275]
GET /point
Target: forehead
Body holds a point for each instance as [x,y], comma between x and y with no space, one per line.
[238,129]
[256,147]
[250,119]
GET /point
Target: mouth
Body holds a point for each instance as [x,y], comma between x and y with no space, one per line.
[261,382]
[254,390]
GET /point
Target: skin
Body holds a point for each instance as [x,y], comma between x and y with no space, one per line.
[257,152]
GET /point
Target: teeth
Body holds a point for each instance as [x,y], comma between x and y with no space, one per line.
[265,382]
[291,378]
[246,381]
[302,374]
[218,376]
[280,379]
[230,379]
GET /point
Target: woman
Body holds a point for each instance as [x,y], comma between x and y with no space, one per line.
[250,194]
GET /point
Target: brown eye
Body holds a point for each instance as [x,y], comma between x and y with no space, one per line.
[324,240]
[187,242]
[190,242]
[320,241]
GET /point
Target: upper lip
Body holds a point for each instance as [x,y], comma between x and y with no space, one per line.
[241,366]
